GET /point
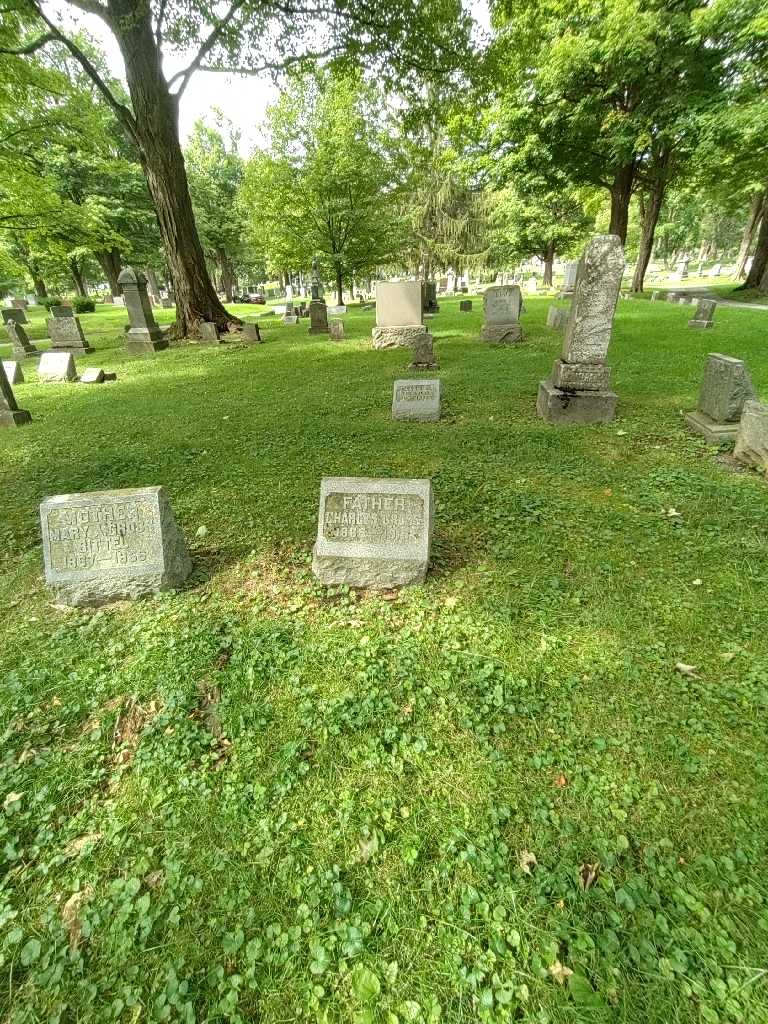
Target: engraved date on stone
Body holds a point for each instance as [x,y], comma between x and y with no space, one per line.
[374,518]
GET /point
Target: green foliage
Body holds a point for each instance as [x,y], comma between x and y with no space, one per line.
[82,304]
[327,184]
[262,800]
[53,300]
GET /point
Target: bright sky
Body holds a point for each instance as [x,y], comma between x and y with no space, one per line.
[242,99]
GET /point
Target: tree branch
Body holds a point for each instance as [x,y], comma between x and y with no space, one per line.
[159,25]
[25,51]
[185,75]
[92,7]
[124,115]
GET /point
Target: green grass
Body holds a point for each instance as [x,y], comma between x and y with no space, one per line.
[316,804]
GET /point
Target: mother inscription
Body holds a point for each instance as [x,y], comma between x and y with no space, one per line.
[373,533]
[106,546]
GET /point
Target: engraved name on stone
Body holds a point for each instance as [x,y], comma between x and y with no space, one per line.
[374,518]
[415,393]
[114,536]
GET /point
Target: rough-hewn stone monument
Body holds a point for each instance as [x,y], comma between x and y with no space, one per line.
[398,314]
[57,366]
[21,346]
[10,413]
[416,400]
[752,438]
[373,533]
[111,545]
[705,313]
[724,390]
[502,305]
[579,389]
[336,327]
[144,335]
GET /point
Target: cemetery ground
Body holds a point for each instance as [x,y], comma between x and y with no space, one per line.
[531,789]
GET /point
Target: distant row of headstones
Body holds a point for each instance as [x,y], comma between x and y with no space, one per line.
[373,533]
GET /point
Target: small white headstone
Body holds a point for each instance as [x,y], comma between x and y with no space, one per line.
[57,366]
[13,371]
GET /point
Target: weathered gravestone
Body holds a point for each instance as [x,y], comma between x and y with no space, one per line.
[111,545]
[290,319]
[92,375]
[752,438]
[502,305]
[337,310]
[579,389]
[10,413]
[724,390]
[336,328]
[673,296]
[716,270]
[251,334]
[15,314]
[569,279]
[398,314]
[65,331]
[144,336]
[465,306]
[57,366]
[318,317]
[416,400]
[19,303]
[429,297]
[373,533]
[21,346]
[705,312]
[13,371]
[423,353]
[681,269]
[655,296]
[557,317]
[208,333]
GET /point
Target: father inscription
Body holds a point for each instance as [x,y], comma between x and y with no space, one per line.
[373,533]
[111,545]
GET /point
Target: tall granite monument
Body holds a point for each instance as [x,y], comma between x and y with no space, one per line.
[318,310]
[144,334]
[111,545]
[579,388]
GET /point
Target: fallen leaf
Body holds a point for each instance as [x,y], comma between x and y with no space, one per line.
[12,798]
[202,531]
[559,972]
[77,845]
[154,879]
[673,513]
[608,492]
[561,781]
[451,602]
[697,583]
[527,860]
[686,670]
[589,873]
[70,915]
[727,656]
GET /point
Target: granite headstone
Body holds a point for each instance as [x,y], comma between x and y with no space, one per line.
[724,390]
[416,400]
[752,438]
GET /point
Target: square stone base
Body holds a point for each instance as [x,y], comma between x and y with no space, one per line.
[502,334]
[14,417]
[76,350]
[408,336]
[700,323]
[711,430]
[145,346]
[556,406]
[371,572]
[581,376]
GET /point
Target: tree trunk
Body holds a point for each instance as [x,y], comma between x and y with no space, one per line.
[110,263]
[226,274]
[154,284]
[621,194]
[77,277]
[156,132]
[39,285]
[649,212]
[339,285]
[760,255]
[549,257]
[753,218]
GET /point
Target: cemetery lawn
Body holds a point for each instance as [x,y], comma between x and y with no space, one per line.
[492,797]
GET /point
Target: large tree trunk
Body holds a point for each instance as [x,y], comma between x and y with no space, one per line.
[760,255]
[549,258]
[621,194]
[753,218]
[77,277]
[649,213]
[226,274]
[339,285]
[110,263]
[40,289]
[156,132]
